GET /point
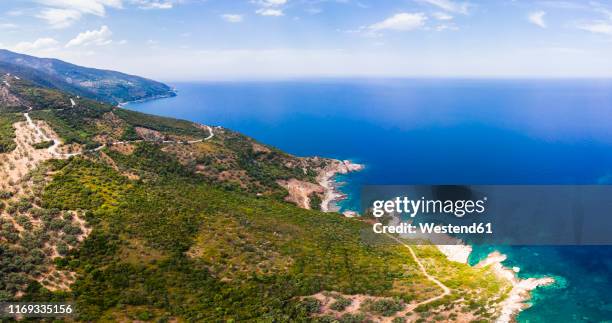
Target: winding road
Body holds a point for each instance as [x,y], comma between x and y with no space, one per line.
[56,142]
[445,289]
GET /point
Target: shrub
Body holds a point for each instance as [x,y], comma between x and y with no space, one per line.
[315,201]
[24,221]
[24,205]
[353,318]
[340,304]
[62,248]
[327,319]
[310,305]
[71,229]
[37,213]
[5,194]
[43,145]
[11,209]
[384,307]
[56,224]
[70,239]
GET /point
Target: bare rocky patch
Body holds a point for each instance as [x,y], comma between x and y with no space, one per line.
[149,134]
[300,192]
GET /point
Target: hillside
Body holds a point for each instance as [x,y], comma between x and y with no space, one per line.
[102,85]
[136,217]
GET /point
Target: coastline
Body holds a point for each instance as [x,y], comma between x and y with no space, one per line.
[521,288]
[172,93]
[454,249]
[331,193]
[520,293]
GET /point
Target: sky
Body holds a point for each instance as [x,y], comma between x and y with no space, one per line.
[187,40]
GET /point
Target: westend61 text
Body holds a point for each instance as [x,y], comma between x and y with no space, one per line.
[432,228]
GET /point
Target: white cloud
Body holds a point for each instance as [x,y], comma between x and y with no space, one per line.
[444,27]
[537,18]
[598,27]
[400,22]
[271,3]
[63,13]
[234,18]
[7,26]
[41,44]
[148,4]
[450,6]
[442,16]
[272,8]
[94,7]
[92,37]
[270,12]
[59,18]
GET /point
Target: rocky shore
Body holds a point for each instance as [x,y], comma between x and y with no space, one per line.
[521,288]
[455,250]
[326,180]
[301,191]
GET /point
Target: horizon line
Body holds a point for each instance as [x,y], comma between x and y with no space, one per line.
[383,78]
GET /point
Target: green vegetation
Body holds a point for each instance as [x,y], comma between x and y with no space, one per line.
[69,131]
[384,307]
[24,253]
[150,163]
[166,125]
[75,125]
[162,221]
[354,318]
[39,97]
[177,232]
[103,85]
[309,306]
[480,288]
[82,184]
[7,132]
[43,144]
[241,163]
[340,303]
[11,108]
[315,201]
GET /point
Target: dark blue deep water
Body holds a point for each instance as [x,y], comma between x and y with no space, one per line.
[441,132]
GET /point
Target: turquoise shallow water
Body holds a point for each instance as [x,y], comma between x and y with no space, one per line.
[442,132]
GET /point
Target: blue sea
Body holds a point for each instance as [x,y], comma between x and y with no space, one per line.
[441,131]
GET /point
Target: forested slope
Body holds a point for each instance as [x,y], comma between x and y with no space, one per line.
[154,219]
